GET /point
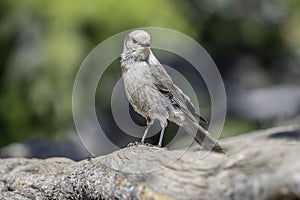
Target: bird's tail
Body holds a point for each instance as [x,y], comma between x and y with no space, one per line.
[202,137]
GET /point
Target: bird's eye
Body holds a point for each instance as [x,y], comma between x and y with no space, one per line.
[134,41]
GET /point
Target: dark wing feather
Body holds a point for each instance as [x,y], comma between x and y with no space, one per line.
[165,85]
[191,106]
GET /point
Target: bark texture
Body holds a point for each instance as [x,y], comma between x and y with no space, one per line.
[259,165]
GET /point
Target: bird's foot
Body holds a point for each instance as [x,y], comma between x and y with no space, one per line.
[148,144]
[133,144]
[139,143]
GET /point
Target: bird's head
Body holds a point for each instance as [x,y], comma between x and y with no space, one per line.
[137,39]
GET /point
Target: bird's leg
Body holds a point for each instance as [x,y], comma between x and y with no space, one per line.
[143,139]
[145,134]
[161,137]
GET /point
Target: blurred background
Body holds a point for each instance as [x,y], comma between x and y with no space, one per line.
[254,43]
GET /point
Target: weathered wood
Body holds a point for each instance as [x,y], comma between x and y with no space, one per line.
[258,165]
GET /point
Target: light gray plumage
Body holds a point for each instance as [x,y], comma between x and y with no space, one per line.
[152,93]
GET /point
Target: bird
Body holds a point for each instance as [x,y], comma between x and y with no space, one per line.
[152,93]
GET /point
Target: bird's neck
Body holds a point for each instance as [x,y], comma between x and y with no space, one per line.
[135,55]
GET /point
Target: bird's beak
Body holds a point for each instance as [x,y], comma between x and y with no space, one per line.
[145,45]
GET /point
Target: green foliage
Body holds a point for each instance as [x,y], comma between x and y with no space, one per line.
[43,44]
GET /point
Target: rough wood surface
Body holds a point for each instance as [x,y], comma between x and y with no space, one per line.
[258,165]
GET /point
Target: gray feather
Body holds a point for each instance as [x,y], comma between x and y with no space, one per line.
[152,93]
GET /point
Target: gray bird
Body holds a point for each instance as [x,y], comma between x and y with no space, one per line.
[152,93]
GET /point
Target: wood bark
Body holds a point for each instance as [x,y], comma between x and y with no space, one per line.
[259,165]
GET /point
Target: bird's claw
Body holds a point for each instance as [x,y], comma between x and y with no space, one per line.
[139,143]
[132,144]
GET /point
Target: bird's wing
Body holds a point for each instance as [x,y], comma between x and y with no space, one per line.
[191,106]
[166,86]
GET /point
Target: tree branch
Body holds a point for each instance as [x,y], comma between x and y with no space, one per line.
[258,165]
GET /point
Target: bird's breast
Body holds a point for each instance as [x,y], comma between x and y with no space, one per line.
[137,74]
